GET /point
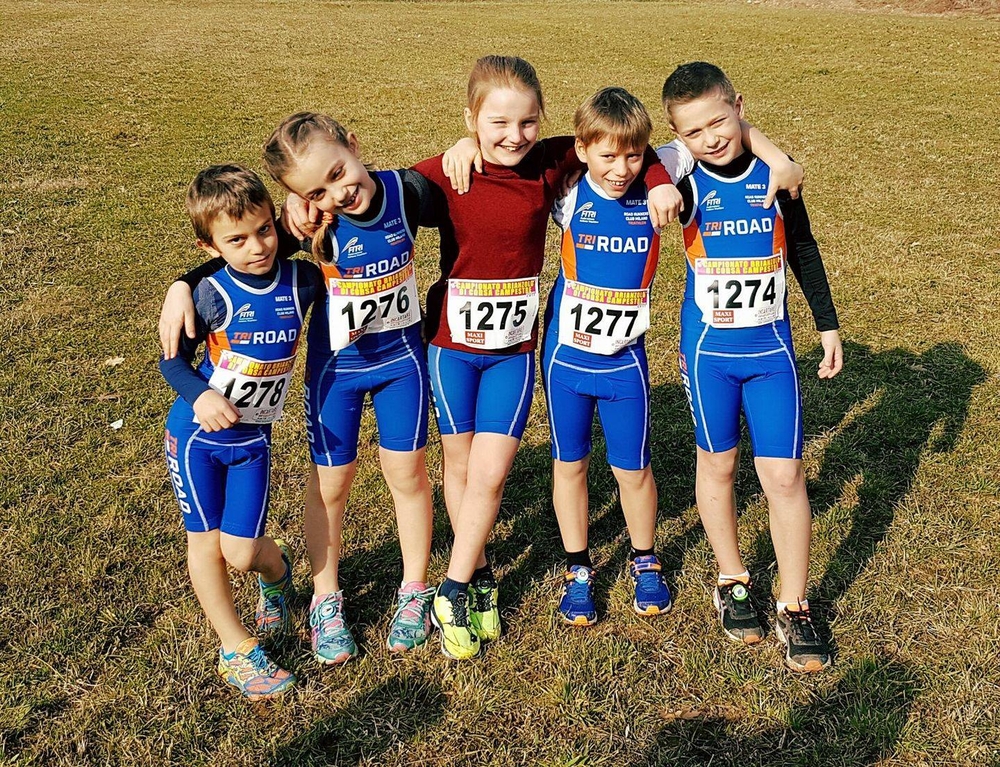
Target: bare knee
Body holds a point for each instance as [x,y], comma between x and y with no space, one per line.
[406,480]
[781,477]
[571,471]
[718,467]
[240,553]
[633,481]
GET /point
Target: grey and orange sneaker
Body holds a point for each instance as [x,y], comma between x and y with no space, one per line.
[805,650]
[737,613]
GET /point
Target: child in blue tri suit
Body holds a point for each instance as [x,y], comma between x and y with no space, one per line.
[736,352]
[593,352]
[364,340]
[218,432]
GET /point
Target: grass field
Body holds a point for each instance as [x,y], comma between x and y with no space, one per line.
[106,112]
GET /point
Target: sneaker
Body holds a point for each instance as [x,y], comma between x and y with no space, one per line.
[804,649]
[251,672]
[411,624]
[737,613]
[577,604]
[331,639]
[652,597]
[458,640]
[274,614]
[483,613]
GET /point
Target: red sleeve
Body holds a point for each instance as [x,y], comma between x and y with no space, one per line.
[655,173]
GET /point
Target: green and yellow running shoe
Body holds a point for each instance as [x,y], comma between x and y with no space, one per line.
[483,613]
[458,640]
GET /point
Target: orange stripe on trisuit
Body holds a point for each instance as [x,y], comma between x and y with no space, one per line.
[216,342]
[568,254]
[652,259]
[694,245]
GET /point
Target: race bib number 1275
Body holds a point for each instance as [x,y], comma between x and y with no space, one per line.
[492,314]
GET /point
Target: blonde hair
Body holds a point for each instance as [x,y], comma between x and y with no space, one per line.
[492,72]
[229,190]
[615,114]
[289,142]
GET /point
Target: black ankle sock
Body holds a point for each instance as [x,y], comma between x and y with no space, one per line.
[579,558]
[486,571]
[450,588]
[641,553]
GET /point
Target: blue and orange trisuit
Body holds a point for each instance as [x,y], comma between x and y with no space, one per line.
[736,346]
[364,335]
[593,350]
[252,326]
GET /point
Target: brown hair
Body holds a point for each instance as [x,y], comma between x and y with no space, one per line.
[229,190]
[491,72]
[289,142]
[615,114]
[693,80]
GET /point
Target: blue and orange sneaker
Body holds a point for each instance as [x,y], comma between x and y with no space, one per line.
[249,670]
[274,614]
[331,639]
[577,603]
[652,597]
[411,624]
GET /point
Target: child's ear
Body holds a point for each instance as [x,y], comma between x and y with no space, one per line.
[208,248]
[352,143]
[738,105]
[470,121]
[581,151]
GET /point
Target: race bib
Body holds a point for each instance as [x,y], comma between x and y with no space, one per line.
[371,306]
[740,292]
[602,320]
[257,389]
[492,314]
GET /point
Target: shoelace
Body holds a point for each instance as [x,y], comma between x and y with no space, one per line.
[329,626]
[577,591]
[410,607]
[256,664]
[802,627]
[647,574]
[460,610]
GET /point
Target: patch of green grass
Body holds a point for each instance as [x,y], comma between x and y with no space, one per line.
[107,112]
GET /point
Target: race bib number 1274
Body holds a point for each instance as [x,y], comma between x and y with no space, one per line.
[740,292]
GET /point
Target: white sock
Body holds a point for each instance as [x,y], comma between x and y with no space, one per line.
[801,604]
[744,577]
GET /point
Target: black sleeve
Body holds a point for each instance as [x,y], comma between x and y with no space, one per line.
[687,197]
[806,262]
[418,202]
[288,245]
[200,272]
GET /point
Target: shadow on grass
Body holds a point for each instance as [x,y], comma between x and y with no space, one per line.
[369,726]
[883,412]
[858,722]
[533,548]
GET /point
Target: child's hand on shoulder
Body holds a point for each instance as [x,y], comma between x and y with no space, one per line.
[458,162]
[299,217]
[215,412]
[176,314]
[833,354]
[665,204]
[787,176]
